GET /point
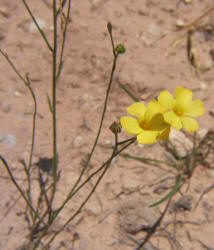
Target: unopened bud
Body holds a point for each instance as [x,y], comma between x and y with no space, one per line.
[120,49]
[109,27]
[115,127]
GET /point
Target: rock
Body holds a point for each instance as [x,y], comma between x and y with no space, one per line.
[17,93]
[204,86]
[154,29]
[77,142]
[210,173]
[92,208]
[10,140]
[211,112]
[202,132]
[135,214]
[188,1]
[129,183]
[183,203]
[169,8]
[208,211]
[181,142]
[4,11]
[202,94]
[180,23]
[205,66]
[198,188]
[6,107]
[1,138]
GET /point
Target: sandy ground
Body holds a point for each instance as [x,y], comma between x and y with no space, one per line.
[152,62]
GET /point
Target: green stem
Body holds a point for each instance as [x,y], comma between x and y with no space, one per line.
[106,164]
[63,40]
[28,170]
[125,141]
[37,25]
[101,121]
[18,187]
[54,68]
[142,159]
[27,84]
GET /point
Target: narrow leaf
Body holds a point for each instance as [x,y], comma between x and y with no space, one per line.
[49,103]
[128,92]
[145,160]
[171,193]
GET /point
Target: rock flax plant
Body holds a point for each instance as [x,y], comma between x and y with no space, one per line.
[40,213]
[149,124]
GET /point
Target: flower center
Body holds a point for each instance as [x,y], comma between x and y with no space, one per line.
[145,125]
[179,110]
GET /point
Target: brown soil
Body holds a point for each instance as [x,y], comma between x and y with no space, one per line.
[151,63]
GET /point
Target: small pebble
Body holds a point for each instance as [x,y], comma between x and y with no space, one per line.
[184,203]
[6,107]
[205,66]
[180,23]
[1,138]
[10,140]
[77,142]
[153,29]
[93,209]
[204,86]
[17,93]
[4,12]
[188,1]
[211,112]
[202,132]
[181,142]
[129,183]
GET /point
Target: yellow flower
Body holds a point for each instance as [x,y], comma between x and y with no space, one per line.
[181,106]
[149,125]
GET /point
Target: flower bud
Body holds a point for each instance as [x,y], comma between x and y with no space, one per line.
[115,127]
[109,27]
[120,49]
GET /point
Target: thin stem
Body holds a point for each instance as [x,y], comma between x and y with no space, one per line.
[33,124]
[37,25]
[102,118]
[142,159]
[28,170]
[13,67]
[106,164]
[122,142]
[18,187]
[114,153]
[63,39]
[27,84]
[93,174]
[54,80]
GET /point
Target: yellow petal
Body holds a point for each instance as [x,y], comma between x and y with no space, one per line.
[166,99]
[157,122]
[190,124]
[130,125]
[137,109]
[195,108]
[172,119]
[164,134]
[154,107]
[147,136]
[183,95]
